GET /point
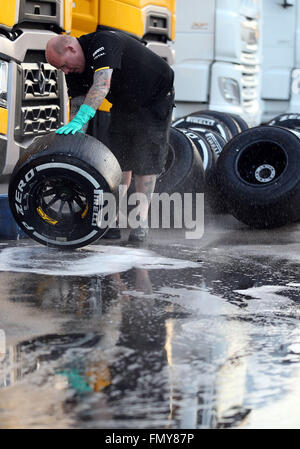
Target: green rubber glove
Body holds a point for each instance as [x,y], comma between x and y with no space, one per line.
[84,114]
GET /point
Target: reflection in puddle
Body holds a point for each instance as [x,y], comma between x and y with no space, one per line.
[214,344]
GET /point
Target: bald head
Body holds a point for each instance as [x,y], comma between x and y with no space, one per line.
[65,53]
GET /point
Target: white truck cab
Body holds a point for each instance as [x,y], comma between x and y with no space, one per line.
[217,57]
[280,30]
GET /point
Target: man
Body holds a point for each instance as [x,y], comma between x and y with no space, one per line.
[139,84]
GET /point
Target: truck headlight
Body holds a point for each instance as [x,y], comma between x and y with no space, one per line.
[3,83]
[230,90]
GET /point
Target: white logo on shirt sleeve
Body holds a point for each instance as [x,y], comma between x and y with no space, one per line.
[98,51]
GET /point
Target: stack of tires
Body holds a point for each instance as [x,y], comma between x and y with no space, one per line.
[256,174]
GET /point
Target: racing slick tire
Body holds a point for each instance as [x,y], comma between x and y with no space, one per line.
[183,177]
[291,121]
[240,121]
[201,120]
[258,174]
[183,170]
[57,186]
[210,145]
[208,155]
[228,119]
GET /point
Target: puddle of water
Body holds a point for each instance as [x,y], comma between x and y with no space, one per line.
[182,345]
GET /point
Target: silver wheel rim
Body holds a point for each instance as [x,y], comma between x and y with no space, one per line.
[265,173]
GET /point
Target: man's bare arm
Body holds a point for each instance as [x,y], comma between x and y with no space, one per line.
[99,89]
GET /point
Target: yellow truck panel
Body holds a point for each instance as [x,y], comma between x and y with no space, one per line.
[7,13]
[3,121]
[129,15]
[142,3]
[48,13]
[126,15]
[85,17]
[122,15]
[68,15]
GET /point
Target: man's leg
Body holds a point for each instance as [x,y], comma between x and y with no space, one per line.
[114,230]
[126,180]
[143,184]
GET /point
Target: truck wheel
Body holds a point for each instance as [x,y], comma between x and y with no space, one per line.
[56,189]
[291,121]
[258,174]
[228,119]
[199,120]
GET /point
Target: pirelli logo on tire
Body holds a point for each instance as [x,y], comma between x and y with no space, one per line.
[97,207]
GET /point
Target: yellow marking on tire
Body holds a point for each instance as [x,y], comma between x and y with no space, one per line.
[85,211]
[45,217]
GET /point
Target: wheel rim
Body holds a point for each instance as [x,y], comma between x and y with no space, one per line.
[261,163]
[265,173]
[61,202]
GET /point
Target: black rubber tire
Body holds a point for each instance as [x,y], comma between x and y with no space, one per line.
[258,174]
[184,171]
[228,119]
[98,127]
[214,199]
[184,174]
[240,121]
[210,145]
[72,172]
[208,156]
[199,120]
[291,121]
[215,140]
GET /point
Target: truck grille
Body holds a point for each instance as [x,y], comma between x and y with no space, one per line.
[40,120]
[250,89]
[40,80]
[40,108]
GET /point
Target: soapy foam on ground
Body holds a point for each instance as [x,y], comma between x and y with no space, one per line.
[90,261]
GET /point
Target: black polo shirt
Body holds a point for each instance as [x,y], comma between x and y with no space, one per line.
[139,75]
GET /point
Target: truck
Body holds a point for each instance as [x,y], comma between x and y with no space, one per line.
[280,30]
[218,56]
[33,96]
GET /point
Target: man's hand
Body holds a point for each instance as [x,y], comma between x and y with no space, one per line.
[71,127]
[84,114]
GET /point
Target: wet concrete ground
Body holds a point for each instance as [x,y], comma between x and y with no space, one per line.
[176,334]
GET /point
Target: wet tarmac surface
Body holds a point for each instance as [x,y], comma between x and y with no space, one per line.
[176,334]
